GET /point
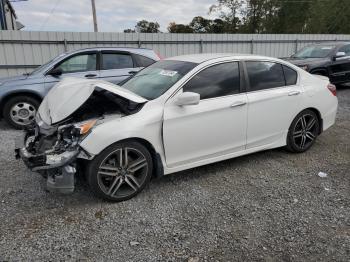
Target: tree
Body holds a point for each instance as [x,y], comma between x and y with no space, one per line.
[144,26]
[201,25]
[253,16]
[179,28]
[129,30]
[288,17]
[329,17]
[218,26]
[228,11]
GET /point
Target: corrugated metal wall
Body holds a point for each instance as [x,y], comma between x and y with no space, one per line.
[21,51]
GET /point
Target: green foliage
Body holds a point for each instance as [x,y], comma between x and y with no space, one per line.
[179,28]
[144,26]
[265,16]
[329,17]
[129,30]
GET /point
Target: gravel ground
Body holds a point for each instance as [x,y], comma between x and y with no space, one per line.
[269,206]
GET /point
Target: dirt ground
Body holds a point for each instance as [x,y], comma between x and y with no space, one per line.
[268,206]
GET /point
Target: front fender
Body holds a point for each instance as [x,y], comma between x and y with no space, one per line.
[146,126]
[37,90]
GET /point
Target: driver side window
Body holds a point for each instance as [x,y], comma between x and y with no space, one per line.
[79,63]
[345,49]
[215,81]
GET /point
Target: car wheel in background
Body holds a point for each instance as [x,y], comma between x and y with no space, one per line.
[120,171]
[19,111]
[303,131]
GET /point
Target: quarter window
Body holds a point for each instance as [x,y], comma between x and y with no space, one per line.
[79,63]
[290,75]
[116,61]
[264,75]
[143,61]
[215,81]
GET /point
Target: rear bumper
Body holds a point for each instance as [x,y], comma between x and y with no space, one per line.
[329,117]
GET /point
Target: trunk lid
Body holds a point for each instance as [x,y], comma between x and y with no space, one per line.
[70,93]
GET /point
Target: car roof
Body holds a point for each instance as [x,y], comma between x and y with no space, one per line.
[200,58]
[113,48]
[141,51]
[332,43]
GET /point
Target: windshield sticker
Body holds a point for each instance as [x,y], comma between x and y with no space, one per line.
[167,73]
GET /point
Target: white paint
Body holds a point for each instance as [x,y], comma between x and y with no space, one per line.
[195,135]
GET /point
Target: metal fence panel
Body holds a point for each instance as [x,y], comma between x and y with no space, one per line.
[21,51]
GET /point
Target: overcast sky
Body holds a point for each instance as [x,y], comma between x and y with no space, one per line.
[112,15]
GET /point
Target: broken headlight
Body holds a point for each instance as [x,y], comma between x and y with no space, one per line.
[84,127]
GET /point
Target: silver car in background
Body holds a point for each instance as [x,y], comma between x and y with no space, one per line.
[20,96]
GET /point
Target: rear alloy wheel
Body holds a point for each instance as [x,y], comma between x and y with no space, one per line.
[303,131]
[20,111]
[121,171]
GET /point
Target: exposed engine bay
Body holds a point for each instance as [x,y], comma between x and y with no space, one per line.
[53,149]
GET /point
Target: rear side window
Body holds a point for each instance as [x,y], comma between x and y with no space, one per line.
[345,49]
[264,75]
[215,81]
[143,61]
[116,61]
[290,75]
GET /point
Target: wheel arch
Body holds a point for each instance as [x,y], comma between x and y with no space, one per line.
[320,70]
[318,114]
[20,93]
[158,168]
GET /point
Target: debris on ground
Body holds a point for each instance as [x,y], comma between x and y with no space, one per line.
[322,174]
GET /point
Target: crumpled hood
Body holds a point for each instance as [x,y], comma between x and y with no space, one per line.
[70,93]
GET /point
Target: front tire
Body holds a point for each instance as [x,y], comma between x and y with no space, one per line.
[19,111]
[121,171]
[303,131]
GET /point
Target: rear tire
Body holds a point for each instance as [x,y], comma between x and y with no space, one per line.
[303,131]
[121,171]
[19,111]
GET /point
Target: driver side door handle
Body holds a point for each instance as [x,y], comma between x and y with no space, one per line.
[294,93]
[238,103]
[90,75]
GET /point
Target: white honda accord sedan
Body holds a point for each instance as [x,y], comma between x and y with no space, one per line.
[176,114]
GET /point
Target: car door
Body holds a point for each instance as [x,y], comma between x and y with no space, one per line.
[82,65]
[273,102]
[339,70]
[116,66]
[214,127]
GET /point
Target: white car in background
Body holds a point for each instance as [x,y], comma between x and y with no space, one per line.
[178,113]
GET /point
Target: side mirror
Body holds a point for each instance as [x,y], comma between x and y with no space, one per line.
[56,72]
[339,55]
[187,98]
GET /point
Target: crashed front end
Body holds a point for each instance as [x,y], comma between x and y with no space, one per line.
[68,113]
[53,154]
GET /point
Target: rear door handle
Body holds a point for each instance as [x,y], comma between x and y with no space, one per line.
[238,103]
[90,75]
[294,93]
[132,72]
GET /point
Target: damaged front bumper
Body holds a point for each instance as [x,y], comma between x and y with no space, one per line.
[59,168]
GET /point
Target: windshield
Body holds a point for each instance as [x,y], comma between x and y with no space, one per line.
[156,79]
[44,65]
[314,51]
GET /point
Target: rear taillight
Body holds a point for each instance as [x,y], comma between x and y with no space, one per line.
[333,89]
